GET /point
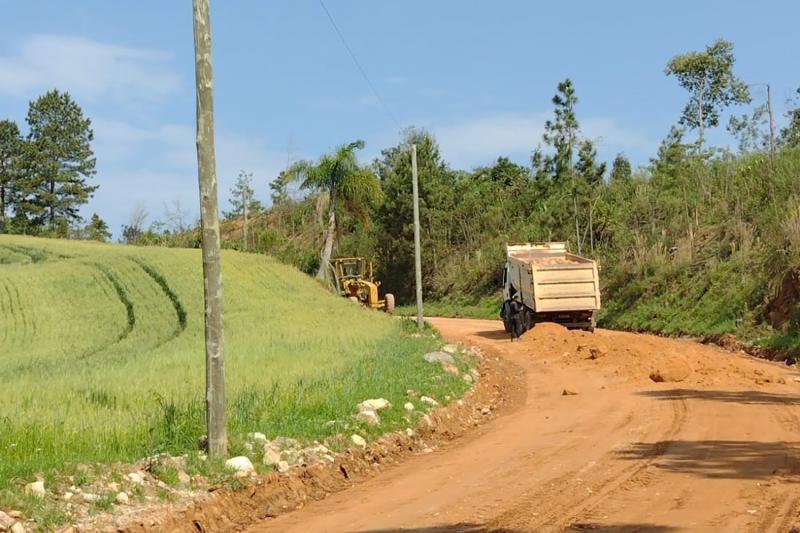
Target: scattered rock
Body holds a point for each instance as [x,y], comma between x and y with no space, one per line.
[36,489]
[69,529]
[409,432]
[408,406]
[427,420]
[136,477]
[248,446]
[426,450]
[370,417]
[67,496]
[5,521]
[673,369]
[184,478]
[485,411]
[375,404]
[451,368]
[113,486]
[257,437]
[467,378]
[358,440]
[428,400]
[567,392]
[286,443]
[15,514]
[17,528]
[438,357]
[89,497]
[239,464]
[271,456]
[122,498]
[450,348]
[282,466]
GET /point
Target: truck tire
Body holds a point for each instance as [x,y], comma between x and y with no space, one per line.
[389,303]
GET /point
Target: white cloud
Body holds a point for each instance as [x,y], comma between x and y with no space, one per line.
[477,141]
[89,69]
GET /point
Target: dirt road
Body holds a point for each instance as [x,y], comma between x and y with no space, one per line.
[713,444]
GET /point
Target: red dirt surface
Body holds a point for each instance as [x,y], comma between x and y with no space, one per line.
[615,432]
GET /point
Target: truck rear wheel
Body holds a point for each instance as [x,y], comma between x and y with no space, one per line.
[389,303]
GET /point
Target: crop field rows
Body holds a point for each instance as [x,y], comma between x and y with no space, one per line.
[102,354]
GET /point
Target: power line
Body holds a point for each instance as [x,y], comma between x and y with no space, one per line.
[358,65]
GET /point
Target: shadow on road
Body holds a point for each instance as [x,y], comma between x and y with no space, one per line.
[494,334]
[743,397]
[726,459]
[574,528]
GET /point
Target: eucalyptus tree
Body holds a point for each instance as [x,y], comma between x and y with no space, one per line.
[350,187]
[709,77]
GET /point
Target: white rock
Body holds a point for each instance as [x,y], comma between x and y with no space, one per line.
[438,357]
[257,437]
[67,496]
[136,477]
[408,406]
[36,489]
[375,404]
[5,521]
[450,348]
[271,456]
[451,368]
[474,372]
[409,432]
[428,400]
[468,378]
[184,478]
[122,498]
[113,486]
[239,464]
[328,457]
[358,440]
[89,497]
[17,528]
[370,417]
[283,466]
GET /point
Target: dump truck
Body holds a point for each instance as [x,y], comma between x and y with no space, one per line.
[354,279]
[552,284]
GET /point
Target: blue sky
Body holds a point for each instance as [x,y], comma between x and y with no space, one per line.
[479,75]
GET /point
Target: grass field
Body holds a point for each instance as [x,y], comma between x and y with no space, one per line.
[101,354]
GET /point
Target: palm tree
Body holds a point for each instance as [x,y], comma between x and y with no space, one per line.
[350,187]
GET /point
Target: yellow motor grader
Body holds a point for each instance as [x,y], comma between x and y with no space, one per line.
[354,280]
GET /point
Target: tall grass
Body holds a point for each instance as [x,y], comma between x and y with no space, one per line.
[102,354]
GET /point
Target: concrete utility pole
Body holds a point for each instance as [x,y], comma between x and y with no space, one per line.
[244,219]
[417,250]
[771,126]
[216,417]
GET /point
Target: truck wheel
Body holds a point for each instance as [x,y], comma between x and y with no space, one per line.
[389,303]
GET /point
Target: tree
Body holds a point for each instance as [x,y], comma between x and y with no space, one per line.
[10,146]
[790,135]
[280,188]
[349,186]
[97,229]
[60,158]
[751,130]
[242,186]
[562,132]
[134,229]
[621,169]
[709,77]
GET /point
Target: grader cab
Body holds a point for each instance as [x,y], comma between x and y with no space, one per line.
[354,280]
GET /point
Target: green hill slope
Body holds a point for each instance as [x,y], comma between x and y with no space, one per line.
[102,357]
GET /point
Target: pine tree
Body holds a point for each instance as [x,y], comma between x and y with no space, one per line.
[97,229]
[10,147]
[621,169]
[59,159]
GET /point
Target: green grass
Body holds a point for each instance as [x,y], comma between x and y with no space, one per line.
[102,355]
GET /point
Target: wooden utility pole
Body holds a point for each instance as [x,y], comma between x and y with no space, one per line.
[244,218]
[417,250]
[216,418]
[771,127]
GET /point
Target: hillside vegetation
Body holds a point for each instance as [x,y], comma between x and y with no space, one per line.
[102,355]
